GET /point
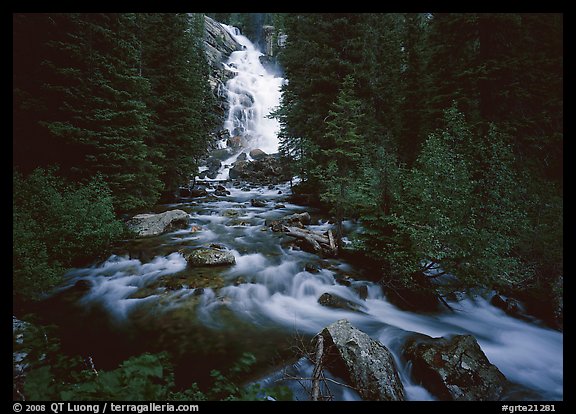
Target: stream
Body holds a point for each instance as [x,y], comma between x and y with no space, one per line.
[145,297]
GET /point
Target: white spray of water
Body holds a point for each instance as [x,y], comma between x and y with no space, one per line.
[252,94]
[278,292]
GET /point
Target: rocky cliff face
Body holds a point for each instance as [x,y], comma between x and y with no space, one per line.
[219,44]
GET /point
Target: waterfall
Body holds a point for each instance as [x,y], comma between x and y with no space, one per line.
[252,94]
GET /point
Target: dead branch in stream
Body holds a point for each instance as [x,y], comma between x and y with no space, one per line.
[316,386]
[317,367]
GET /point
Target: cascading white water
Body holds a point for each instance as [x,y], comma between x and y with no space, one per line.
[252,94]
[277,292]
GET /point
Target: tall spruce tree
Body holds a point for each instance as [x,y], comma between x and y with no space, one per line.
[173,61]
[92,118]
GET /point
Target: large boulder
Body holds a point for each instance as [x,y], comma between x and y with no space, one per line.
[210,256]
[238,169]
[236,141]
[367,363]
[145,225]
[257,154]
[266,170]
[455,369]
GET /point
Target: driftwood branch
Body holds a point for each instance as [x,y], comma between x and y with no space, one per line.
[319,242]
[317,367]
[332,242]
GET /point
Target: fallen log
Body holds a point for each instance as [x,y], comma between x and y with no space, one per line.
[303,233]
[316,242]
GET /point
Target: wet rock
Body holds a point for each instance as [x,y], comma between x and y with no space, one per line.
[455,368]
[362,291]
[231,213]
[257,154]
[279,206]
[258,203]
[198,291]
[145,225]
[242,157]
[217,155]
[367,363]
[239,281]
[294,220]
[236,142]
[331,300]
[312,268]
[221,191]
[238,170]
[344,280]
[268,170]
[198,192]
[209,257]
[510,306]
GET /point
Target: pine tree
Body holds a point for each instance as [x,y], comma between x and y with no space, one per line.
[345,152]
[173,60]
[93,118]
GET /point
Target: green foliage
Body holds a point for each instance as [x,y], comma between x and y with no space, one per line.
[124,95]
[147,377]
[56,225]
[173,61]
[460,207]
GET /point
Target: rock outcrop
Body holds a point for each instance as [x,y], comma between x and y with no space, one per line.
[145,225]
[367,363]
[257,154]
[455,369]
[209,256]
[218,44]
[265,170]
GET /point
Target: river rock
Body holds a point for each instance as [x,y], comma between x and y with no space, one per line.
[238,170]
[236,142]
[509,305]
[367,363]
[257,154]
[294,220]
[209,257]
[145,225]
[198,192]
[455,368]
[242,157]
[331,300]
[258,203]
[221,191]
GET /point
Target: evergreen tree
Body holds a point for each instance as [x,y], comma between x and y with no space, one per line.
[92,114]
[459,207]
[321,50]
[345,151]
[173,60]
